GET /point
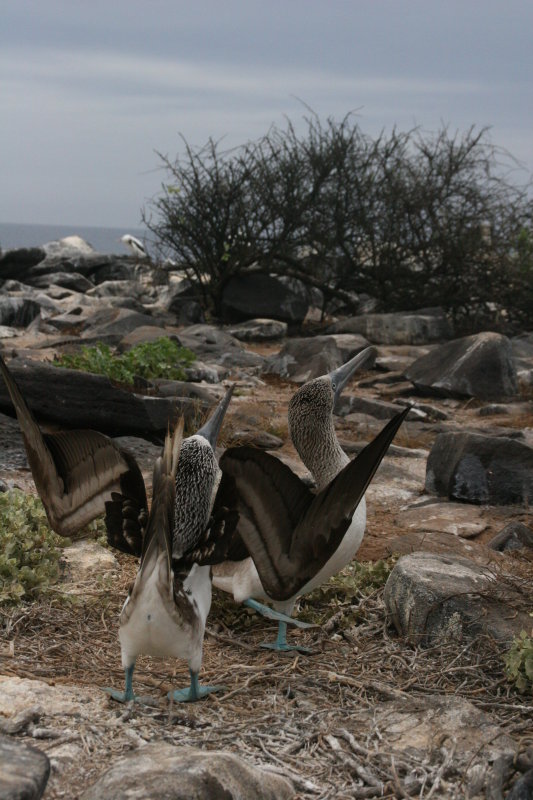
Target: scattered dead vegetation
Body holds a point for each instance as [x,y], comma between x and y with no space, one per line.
[306,716]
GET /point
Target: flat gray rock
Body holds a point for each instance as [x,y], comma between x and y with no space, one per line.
[301,360]
[380,409]
[444,544]
[143,334]
[164,772]
[259,330]
[113,324]
[459,519]
[213,344]
[480,469]
[24,770]
[431,598]
[398,328]
[476,366]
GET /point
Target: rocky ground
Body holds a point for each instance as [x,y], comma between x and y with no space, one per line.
[404,694]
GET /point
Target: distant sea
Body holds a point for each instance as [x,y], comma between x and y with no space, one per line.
[103,240]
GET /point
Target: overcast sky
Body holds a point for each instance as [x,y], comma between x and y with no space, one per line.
[90,90]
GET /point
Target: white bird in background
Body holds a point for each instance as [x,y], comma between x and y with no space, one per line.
[134,245]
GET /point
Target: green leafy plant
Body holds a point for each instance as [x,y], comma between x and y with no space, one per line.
[162,358]
[519,662]
[345,590]
[29,549]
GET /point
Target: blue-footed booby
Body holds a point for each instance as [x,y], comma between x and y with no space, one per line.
[82,473]
[166,609]
[298,540]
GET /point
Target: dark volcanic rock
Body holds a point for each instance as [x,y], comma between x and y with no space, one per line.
[166,772]
[480,469]
[17,263]
[515,536]
[432,597]
[183,301]
[18,311]
[475,366]
[74,399]
[69,280]
[300,360]
[251,296]
[24,770]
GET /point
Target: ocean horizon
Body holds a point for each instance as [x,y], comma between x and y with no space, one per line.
[103,240]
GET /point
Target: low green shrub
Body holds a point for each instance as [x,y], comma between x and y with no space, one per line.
[344,590]
[519,662]
[29,549]
[162,358]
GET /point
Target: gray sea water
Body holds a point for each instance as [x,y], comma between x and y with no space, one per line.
[103,240]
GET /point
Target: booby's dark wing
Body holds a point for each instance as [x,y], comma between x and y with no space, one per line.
[271,501]
[329,515]
[81,474]
[290,548]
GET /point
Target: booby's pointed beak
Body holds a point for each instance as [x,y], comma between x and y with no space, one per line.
[212,427]
[340,377]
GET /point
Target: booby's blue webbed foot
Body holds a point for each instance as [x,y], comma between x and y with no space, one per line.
[270,613]
[127,695]
[286,648]
[281,644]
[194,692]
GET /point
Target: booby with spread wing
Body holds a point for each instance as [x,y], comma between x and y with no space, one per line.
[299,540]
[187,530]
[80,474]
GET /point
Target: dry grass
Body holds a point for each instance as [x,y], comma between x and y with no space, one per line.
[306,716]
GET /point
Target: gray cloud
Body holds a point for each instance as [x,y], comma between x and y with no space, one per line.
[90,91]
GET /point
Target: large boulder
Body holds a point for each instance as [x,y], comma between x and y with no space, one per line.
[68,280]
[24,770]
[250,296]
[166,772]
[18,312]
[68,246]
[416,327]
[75,399]
[301,360]
[480,366]
[431,598]
[18,263]
[475,468]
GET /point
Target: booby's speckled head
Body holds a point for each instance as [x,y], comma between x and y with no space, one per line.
[311,419]
[318,396]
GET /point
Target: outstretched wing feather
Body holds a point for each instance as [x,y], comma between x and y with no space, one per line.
[75,472]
